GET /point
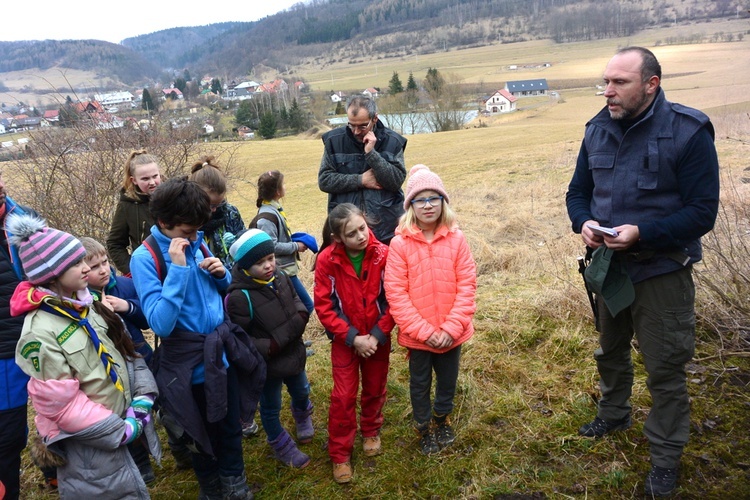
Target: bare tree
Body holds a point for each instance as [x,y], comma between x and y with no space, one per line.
[72,175]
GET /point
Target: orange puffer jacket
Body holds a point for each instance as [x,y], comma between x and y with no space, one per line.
[431,286]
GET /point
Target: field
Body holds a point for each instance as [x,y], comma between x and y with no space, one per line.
[528,378]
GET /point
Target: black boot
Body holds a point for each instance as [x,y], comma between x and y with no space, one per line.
[235,488]
[427,443]
[443,431]
[210,489]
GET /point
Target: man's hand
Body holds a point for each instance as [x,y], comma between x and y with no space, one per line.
[214,266]
[590,239]
[369,181]
[177,251]
[369,141]
[628,235]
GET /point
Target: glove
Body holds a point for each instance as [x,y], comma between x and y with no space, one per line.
[133,428]
[141,406]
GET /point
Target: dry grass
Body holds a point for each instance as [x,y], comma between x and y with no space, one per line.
[528,379]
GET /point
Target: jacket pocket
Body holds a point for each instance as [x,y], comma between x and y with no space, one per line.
[648,175]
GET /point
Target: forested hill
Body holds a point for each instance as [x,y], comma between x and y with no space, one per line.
[104,58]
[323,31]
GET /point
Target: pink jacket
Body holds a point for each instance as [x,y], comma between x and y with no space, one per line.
[431,286]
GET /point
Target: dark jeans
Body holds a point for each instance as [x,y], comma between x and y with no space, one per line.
[270,400]
[13,433]
[225,436]
[302,293]
[421,366]
[662,317]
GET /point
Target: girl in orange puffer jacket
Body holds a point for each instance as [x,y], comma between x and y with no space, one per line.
[430,284]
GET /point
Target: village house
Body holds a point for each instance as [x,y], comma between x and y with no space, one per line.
[114,98]
[527,88]
[170,91]
[501,101]
[371,92]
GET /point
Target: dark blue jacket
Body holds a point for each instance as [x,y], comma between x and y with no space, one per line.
[135,321]
[344,161]
[661,174]
[12,379]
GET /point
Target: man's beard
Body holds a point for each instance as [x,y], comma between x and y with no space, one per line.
[626,113]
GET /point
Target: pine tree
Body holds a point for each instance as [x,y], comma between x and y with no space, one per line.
[394,85]
[216,86]
[146,102]
[267,127]
[411,84]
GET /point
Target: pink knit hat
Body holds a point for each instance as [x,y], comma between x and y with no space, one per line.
[421,178]
[45,253]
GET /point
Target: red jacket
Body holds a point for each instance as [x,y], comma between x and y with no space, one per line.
[349,305]
[431,286]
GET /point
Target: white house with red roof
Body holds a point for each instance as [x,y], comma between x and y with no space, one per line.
[501,101]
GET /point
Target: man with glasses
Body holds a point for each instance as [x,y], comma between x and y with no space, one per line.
[363,164]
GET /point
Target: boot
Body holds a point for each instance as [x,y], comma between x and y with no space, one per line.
[235,488]
[210,489]
[444,434]
[303,421]
[286,451]
[427,442]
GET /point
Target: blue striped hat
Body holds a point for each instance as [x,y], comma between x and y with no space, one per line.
[250,247]
[45,253]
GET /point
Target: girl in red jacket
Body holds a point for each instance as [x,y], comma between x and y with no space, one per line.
[350,302]
[430,283]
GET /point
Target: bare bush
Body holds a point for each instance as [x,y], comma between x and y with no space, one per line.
[724,276]
[72,175]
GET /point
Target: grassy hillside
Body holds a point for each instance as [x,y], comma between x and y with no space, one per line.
[528,378]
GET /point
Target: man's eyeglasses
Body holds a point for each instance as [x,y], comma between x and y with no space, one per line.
[423,202]
[355,128]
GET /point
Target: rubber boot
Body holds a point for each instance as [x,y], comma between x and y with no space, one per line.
[236,488]
[304,424]
[286,451]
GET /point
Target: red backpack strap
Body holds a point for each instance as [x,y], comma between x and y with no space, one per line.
[204,250]
[153,248]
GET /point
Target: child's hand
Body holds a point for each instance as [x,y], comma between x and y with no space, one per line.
[445,340]
[301,247]
[362,346]
[214,266]
[177,251]
[106,303]
[117,304]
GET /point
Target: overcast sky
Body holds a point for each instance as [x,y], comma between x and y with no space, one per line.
[115,21]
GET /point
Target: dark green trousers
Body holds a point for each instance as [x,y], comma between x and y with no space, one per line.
[662,317]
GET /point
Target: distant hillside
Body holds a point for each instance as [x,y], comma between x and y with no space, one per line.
[175,47]
[105,59]
[323,32]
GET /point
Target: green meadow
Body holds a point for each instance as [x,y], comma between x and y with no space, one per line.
[528,378]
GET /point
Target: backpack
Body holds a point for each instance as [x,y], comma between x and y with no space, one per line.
[269,217]
[249,302]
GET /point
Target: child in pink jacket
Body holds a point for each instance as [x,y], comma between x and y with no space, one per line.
[430,284]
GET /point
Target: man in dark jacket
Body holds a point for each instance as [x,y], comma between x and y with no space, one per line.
[363,164]
[13,395]
[647,168]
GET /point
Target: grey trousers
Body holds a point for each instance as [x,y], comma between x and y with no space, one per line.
[663,320]
[421,365]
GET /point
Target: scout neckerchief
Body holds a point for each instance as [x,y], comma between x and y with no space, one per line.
[81,321]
